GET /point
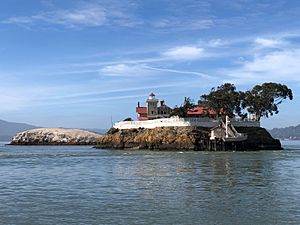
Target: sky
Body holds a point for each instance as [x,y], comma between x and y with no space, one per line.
[86,63]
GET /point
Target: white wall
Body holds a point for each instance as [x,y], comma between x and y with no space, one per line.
[180,122]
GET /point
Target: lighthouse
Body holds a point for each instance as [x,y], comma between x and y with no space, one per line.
[152,109]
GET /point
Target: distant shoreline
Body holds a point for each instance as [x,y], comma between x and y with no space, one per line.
[288,139]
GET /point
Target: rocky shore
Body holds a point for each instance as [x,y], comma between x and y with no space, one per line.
[55,136]
[161,138]
[181,138]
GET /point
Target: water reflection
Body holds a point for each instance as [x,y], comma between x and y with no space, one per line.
[117,187]
[227,183]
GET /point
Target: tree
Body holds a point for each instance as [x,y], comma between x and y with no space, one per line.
[263,100]
[184,108]
[128,119]
[224,100]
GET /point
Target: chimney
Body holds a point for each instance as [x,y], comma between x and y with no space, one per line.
[138,104]
[162,102]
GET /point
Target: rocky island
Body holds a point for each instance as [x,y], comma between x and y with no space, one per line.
[55,136]
[225,119]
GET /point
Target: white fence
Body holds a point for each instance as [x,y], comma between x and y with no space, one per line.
[180,122]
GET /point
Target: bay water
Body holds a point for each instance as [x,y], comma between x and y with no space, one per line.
[82,185]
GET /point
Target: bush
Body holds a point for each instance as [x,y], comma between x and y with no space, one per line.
[112,131]
[128,119]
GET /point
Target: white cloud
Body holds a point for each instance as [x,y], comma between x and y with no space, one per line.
[19,20]
[174,24]
[268,42]
[162,23]
[184,53]
[216,43]
[124,70]
[88,15]
[194,73]
[280,66]
[276,62]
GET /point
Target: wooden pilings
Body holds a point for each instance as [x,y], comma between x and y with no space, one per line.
[220,145]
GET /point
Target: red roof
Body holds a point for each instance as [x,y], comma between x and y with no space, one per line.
[201,111]
[152,94]
[141,118]
[141,110]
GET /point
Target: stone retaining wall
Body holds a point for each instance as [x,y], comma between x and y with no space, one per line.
[180,122]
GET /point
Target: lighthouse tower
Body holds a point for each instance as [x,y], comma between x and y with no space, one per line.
[152,109]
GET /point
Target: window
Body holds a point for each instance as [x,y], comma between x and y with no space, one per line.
[152,104]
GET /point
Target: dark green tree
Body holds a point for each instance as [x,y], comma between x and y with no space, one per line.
[128,119]
[263,100]
[224,100]
[182,110]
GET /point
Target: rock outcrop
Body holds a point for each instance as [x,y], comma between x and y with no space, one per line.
[161,138]
[259,139]
[55,136]
[181,138]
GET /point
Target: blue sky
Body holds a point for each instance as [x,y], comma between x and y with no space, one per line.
[78,63]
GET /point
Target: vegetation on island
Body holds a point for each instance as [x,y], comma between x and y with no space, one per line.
[128,119]
[224,98]
[182,110]
[261,101]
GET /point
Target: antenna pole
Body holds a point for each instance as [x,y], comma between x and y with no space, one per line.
[227,121]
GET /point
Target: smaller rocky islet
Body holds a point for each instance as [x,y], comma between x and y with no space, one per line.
[55,136]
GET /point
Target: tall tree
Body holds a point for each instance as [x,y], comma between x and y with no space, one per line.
[224,99]
[182,110]
[263,100]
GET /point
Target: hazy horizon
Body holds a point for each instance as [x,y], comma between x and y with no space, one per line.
[80,63]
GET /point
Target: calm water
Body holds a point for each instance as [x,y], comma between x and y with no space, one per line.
[80,185]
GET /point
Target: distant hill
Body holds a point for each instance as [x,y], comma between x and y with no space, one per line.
[9,129]
[292,133]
